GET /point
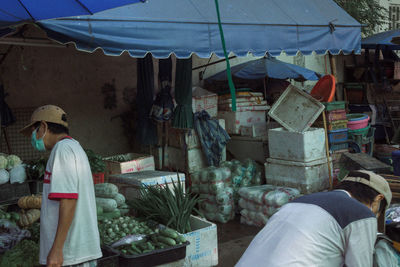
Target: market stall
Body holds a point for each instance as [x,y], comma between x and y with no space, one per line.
[149,217]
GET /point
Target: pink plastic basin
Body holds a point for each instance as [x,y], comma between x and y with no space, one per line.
[355,125]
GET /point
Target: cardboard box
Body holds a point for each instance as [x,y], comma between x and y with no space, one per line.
[203,248]
[183,138]
[129,183]
[234,120]
[134,163]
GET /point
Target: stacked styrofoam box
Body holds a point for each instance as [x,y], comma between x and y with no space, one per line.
[184,151]
[250,116]
[204,100]
[297,160]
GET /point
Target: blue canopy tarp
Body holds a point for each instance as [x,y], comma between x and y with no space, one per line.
[381,40]
[184,27]
[268,66]
[14,12]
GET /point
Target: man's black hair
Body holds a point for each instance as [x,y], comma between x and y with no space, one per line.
[359,191]
[54,128]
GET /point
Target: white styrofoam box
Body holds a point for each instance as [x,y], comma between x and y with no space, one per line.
[129,183]
[304,147]
[234,120]
[307,177]
[255,130]
[203,247]
[195,159]
[204,100]
[296,110]
[179,138]
[134,163]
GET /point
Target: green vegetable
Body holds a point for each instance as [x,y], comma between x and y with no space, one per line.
[12,161]
[169,207]
[166,240]
[169,233]
[3,162]
[109,215]
[105,190]
[96,162]
[35,169]
[99,210]
[24,254]
[120,199]
[107,204]
[4,176]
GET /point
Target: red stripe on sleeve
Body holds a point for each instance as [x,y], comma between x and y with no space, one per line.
[58,196]
[46,181]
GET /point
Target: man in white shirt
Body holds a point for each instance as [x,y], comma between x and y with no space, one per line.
[68,226]
[326,229]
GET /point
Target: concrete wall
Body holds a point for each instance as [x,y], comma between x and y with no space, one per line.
[35,76]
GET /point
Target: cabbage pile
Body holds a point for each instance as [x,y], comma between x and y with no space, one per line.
[11,169]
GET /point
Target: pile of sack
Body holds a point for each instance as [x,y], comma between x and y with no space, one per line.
[216,193]
[258,203]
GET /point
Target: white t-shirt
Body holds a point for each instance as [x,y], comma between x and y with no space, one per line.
[328,229]
[68,175]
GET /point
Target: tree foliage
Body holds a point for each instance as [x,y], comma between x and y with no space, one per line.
[368,12]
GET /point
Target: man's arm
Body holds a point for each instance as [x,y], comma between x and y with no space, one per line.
[65,217]
[360,239]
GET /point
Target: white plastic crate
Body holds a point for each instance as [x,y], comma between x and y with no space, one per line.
[296,110]
[307,177]
[302,147]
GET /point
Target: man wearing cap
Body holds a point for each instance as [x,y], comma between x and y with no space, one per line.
[69,234]
[326,229]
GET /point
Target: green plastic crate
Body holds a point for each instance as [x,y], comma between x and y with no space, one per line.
[335,105]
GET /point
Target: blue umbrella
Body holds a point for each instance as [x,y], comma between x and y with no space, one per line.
[382,40]
[268,67]
[19,11]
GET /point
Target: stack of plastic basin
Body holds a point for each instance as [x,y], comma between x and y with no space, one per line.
[360,131]
[337,125]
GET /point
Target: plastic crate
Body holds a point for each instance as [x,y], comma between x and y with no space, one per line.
[109,259]
[153,258]
[337,147]
[336,115]
[337,136]
[98,178]
[335,105]
[337,125]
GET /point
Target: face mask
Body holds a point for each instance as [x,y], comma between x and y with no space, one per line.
[38,144]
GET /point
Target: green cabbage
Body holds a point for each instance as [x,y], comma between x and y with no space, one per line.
[3,162]
[12,161]
[4,176]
